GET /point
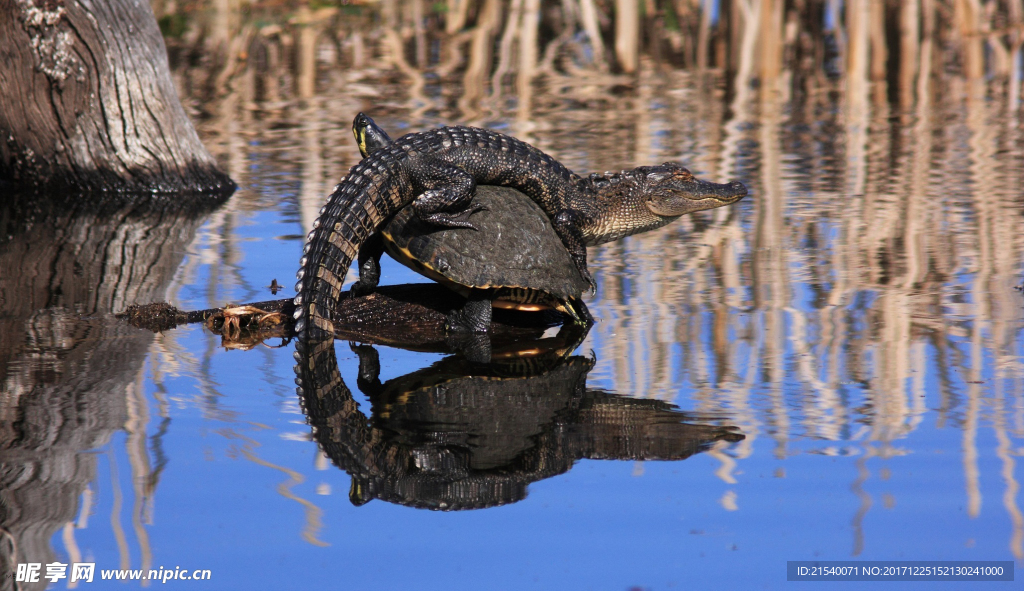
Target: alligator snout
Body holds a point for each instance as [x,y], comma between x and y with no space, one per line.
[730,192]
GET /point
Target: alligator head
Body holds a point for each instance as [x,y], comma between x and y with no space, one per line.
[648,197]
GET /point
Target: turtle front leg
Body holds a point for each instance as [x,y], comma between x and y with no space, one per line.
[567,225]
[585,317]
[369,265]
[474,316]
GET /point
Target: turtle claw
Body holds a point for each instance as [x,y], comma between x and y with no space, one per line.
[360,289]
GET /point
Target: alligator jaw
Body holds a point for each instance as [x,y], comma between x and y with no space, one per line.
[695,195]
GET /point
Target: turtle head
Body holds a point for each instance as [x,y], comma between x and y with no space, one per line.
[649,197]
[369,136]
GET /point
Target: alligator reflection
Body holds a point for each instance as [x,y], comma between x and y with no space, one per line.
[466,435]
[67,367]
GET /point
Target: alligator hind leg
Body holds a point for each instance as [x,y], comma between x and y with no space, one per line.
[567,225]
[447,200]
[369,265]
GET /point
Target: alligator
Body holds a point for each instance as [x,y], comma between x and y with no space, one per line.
[437,172]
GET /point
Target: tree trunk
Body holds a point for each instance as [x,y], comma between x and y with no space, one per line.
[87,102]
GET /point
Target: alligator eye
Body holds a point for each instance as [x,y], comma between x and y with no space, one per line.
[658,176]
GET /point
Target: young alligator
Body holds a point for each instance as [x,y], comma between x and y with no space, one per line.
[437,171]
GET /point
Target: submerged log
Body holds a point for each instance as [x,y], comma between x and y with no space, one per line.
[87,102]
[410,316]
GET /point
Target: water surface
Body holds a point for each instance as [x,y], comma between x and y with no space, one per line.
[858,319]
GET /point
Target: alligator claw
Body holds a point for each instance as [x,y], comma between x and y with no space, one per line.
[581,266]
[457,219]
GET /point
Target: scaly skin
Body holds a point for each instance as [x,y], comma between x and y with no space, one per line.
[437,171]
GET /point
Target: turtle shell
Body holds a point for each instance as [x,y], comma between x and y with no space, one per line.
[513,250]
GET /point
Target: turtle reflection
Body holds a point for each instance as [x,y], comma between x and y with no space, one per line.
[465,435]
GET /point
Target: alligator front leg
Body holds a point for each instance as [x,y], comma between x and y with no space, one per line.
[369,265]
[447,200]
[567,225]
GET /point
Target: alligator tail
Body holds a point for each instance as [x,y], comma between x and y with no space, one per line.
[341,430]
[358,207]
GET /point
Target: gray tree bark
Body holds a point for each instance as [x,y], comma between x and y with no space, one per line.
[87,102]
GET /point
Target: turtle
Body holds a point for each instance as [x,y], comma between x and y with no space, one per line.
[538,274]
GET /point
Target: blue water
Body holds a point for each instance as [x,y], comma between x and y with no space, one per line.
[244,494]
[855,318]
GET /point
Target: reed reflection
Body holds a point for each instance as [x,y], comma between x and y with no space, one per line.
[466,435]
[865,289]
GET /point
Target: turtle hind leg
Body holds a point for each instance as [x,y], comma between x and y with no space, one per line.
[474,316]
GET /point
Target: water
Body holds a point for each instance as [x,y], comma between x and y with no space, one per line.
[858,318]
